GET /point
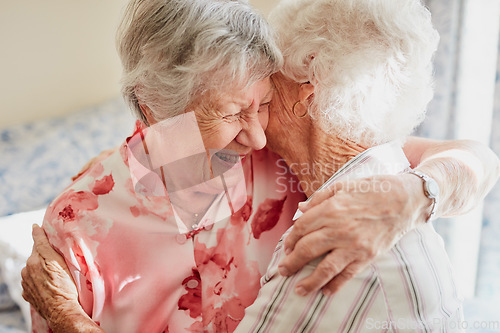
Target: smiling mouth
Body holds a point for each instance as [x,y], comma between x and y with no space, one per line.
[229,158]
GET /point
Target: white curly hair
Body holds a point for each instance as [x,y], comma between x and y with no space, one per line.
[369,60]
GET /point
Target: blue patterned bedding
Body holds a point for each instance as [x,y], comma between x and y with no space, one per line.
[37,162]
[39,158]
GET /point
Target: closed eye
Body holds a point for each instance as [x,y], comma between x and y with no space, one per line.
[233,117]
[264,107]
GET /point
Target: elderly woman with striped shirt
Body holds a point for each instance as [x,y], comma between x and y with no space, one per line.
[357,74]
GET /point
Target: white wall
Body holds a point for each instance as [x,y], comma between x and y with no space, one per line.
[58,56]
[264,6]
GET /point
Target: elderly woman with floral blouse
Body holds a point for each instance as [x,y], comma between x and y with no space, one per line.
[174,230]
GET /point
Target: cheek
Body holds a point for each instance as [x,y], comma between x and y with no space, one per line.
[273,115]
[218,134]
[264,119]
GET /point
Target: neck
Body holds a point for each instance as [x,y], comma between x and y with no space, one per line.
[191,206]
[312,154]
[317,156]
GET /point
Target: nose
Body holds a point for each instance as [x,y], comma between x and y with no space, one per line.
[252,135]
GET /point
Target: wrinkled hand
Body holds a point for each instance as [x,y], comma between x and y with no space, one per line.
[352,223]
[47,283]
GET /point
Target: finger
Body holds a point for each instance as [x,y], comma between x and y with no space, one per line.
[27,293]
[41,243]
[333,263]
[36,267]
[43,247]
[28,290]
[45,259]
[33,263]
[24,283]
[342,278]
[25,296]
[320,196]
[310,221]
[33,249]
[38,234]
[309,247]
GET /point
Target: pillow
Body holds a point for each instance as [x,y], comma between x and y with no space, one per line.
[15,248]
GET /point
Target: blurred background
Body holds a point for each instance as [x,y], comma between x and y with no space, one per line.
[59,56]
[60,105]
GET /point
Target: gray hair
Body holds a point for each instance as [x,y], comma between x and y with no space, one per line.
[370,62]
[172,51]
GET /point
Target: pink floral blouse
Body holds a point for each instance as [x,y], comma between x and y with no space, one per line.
[136,272]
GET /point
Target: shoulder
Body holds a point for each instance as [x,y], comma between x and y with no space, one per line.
[84,196]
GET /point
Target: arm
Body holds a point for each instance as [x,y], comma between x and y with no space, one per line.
[354,225]
[51,291]
[465,171]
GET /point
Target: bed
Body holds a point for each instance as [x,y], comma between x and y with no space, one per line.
[36,163]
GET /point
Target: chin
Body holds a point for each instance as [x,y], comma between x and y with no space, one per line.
[219,185]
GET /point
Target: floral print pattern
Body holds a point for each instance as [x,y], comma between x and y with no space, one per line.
[136,273]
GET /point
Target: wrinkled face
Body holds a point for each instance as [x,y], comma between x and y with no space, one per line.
[231,125]
[236,119]
[282,125]
[197,154]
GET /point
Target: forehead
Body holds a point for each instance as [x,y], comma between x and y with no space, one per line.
[247,95]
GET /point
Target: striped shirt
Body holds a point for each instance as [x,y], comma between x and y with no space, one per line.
[408,289]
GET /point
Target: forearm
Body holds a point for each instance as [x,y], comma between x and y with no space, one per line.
[465,171]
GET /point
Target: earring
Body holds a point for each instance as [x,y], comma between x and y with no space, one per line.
[293,110]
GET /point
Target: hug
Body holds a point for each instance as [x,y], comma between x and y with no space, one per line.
[184,226]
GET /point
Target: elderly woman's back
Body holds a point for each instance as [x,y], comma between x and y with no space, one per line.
[362,71]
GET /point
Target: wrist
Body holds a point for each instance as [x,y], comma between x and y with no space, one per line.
[430,189]
[74,322]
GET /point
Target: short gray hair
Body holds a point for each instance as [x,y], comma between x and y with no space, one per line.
[174,50]
[370,62]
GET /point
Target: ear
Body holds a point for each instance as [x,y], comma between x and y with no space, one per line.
[146,111]
[148,114]
[306,91]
